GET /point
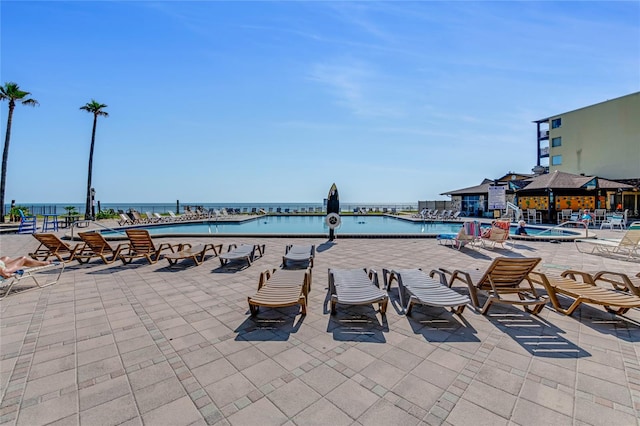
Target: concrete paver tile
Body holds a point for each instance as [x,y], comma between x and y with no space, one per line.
[213,371]
[466,413]
[158,394]
[352,398]
[322,412]
[149,375]
[51,383]
[264,372]
[99,368]
[385,413]
[293,397]
[113,412]
[180,411]
[545,396]
[103,392]
[418,391]
[604,389]
[262,412]
[491,398]
[49,411]
[323,379]
[229,389]
[597,414]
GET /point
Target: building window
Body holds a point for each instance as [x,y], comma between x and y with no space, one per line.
[556,122]
[556,141]
[556,160]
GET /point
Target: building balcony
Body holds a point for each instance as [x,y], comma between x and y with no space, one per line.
[544,152]
[544,134]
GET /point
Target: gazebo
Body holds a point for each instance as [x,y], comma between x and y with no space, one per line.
[553,192]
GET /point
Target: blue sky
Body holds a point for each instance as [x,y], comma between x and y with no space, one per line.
[214,101]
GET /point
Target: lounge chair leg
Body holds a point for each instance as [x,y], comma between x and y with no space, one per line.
[383,307]
[409,308]
[303,306]
[333,307]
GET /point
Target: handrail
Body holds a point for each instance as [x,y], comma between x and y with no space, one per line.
[76,223]
[517,211]
[562,225]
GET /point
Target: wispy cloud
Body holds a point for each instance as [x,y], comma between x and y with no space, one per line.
[353,84]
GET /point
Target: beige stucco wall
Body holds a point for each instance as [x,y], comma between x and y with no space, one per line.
[600,140]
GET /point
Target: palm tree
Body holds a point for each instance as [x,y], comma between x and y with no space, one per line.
[12,92]
[94,108]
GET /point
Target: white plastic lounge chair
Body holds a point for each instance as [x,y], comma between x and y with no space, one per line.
[416,287]
[501,282]
[19,277]
[281,288]
[612,222]
[299,253]
[196,253]
[244,252]
[356,287]
[628,245]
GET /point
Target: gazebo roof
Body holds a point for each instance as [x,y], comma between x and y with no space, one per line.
[563,180]
[554,180]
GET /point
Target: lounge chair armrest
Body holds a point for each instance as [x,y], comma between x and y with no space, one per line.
[616,283]
[538,278]
[387,278]
[441,275]
[261,249]
[461,275]
[232,246]
[373,276]
[571,273]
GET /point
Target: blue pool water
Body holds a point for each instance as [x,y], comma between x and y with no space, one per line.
[315,225]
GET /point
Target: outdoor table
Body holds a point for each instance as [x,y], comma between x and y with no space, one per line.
[70,219]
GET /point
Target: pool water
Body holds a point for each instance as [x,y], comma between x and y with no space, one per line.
[315,225]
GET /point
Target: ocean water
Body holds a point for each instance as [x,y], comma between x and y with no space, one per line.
[59,208]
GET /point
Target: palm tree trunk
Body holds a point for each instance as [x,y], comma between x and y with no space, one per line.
[87,211]
[5,157]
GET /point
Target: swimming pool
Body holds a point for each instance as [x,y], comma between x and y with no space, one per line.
[315,226]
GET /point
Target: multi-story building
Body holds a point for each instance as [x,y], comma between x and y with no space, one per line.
[597,140]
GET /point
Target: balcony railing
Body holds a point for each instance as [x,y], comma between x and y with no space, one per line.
[544,134]
[544,152]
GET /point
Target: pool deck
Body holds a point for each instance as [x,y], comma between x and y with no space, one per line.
[145,344]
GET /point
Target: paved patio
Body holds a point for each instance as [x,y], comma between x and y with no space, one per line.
[145,344]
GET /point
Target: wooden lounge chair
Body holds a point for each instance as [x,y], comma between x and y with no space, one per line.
[299,253]
[497,234]
[356,287]
[586,291]
[628,245]
[619,281]
[20,276]
[196,253]
[501,282]
[96,246]
[281,288]
[416,287]
[141,245]
[244,252]
[51,245]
